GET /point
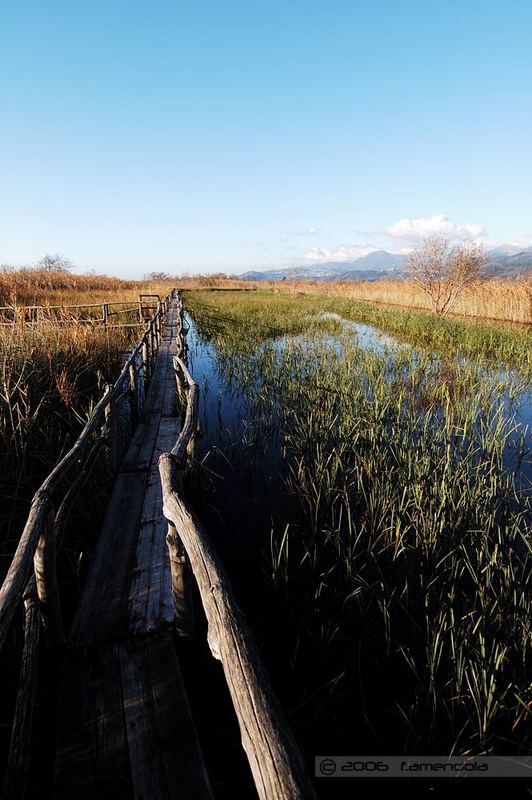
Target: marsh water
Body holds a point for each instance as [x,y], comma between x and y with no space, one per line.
[225,410]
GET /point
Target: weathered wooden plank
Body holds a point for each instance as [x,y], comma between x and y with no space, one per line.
[147,610]
[151,604]
[165,755]
[140,452]
[92,760]
[103,612]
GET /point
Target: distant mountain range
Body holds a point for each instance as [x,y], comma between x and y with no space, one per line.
[506,261]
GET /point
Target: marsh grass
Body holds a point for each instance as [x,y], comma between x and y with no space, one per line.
[261,314]
[398,545]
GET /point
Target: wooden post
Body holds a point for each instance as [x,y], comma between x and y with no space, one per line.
[145,364]
[44,563]
[105,312]
[153,339]
[180,584]
[111,419]
[141,313]
[17,773]
[134,390]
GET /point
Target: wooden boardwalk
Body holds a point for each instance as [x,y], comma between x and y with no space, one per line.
[125,729]
[125,726]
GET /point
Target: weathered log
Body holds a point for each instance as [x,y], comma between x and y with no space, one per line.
[187,438]
[274,759]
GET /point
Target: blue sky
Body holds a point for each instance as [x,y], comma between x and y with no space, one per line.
[222,135]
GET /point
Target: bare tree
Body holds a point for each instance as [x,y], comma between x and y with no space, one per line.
[156,276]
[445,272]
[56,262]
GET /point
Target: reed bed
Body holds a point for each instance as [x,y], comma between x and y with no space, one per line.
[498,298]
[50,377]
[400,513]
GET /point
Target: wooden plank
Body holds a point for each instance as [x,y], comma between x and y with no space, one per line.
[92,760]
[140,452]
[151,604]
[150,577]
[165,755]
[103,612]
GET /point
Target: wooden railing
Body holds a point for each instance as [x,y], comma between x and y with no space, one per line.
[31,577]
[105,314]
[275,761]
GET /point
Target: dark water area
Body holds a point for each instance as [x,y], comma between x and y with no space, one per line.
[239,492]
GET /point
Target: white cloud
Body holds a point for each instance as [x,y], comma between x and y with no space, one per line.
[413,231]
[318,255]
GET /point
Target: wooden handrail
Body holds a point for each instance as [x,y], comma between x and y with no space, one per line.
[276,764]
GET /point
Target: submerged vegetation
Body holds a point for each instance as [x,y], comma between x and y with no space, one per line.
[389,493]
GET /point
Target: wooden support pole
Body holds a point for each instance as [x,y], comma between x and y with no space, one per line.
[180,584]
[111,418]
[17,772]
[153,338]
[145,364]
[134,390]
[105,313]
[45,566]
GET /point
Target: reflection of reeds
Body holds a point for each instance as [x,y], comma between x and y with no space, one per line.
[400,535]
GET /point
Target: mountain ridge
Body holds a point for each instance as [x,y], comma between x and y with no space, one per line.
[501,262]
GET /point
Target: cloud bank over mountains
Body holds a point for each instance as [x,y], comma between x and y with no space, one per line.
[401,237]
[385,252]
[413,231]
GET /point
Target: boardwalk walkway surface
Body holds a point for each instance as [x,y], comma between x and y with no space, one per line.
[125,726]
